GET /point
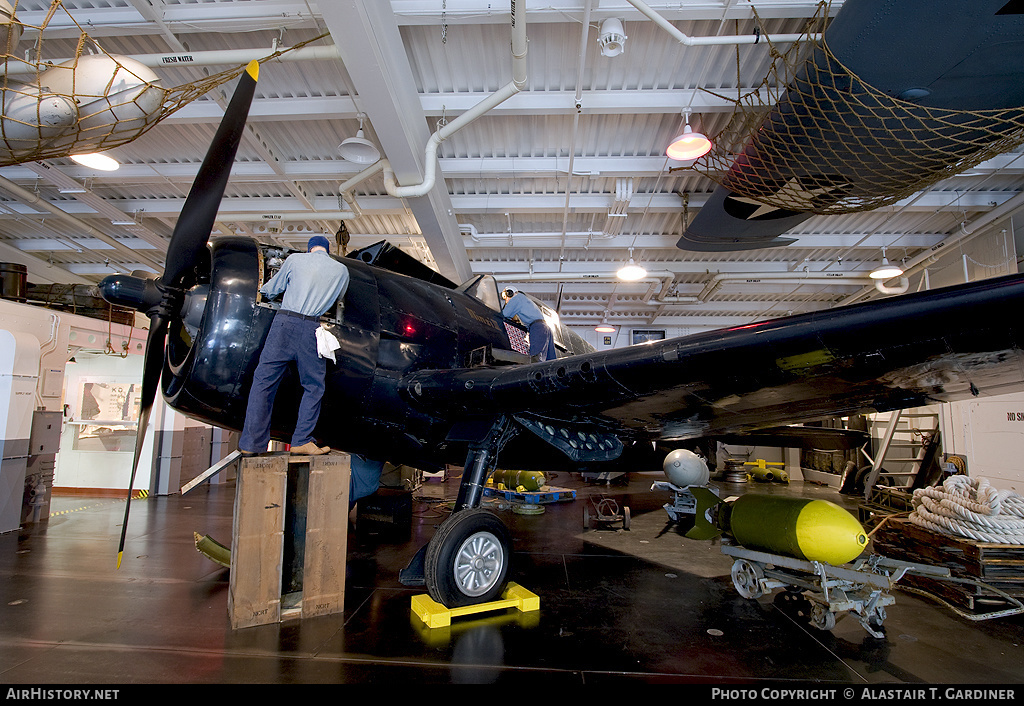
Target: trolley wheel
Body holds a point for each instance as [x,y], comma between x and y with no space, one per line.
[746,577]
[822,618]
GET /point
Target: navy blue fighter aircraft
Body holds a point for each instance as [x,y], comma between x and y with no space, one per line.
[426,375]
[871,115]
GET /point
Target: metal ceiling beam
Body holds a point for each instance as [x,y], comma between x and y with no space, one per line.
[326,207]
[643,102]
[373,53]
[1011,164]
[430,12]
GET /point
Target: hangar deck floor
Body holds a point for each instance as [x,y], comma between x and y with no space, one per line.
[616,606]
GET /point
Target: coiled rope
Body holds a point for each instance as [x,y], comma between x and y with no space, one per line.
[972,508]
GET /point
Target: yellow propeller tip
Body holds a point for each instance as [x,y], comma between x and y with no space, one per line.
[253,69]
[119,555]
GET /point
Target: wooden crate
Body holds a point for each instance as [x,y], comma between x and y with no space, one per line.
[289,538]
[323,575]
[999,566]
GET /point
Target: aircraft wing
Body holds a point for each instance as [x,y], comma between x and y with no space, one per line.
[868,118]
[900,352]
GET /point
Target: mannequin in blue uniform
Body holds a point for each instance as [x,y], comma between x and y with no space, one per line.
[517,304]
[311,283]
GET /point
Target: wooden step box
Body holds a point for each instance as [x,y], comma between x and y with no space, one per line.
[289,538]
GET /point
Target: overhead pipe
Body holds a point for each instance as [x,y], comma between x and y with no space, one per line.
[716,281]
[689,41]
[584,36]
[345,190]
[513,87]
[230,57]
[967,232]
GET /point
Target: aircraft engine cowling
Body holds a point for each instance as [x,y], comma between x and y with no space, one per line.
[213,347]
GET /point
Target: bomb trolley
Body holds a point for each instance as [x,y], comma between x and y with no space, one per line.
[862,588]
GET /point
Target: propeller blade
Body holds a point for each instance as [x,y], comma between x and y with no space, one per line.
[197,215]
[153,366]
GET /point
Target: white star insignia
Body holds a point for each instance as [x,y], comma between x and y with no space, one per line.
[791,192]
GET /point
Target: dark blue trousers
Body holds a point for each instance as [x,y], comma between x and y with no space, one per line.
[542,343]
[290,339]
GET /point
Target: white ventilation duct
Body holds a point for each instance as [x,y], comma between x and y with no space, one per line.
[513,87]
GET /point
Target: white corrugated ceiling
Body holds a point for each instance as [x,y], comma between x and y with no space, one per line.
[506,203]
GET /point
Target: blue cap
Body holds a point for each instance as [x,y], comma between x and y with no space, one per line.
[318,241]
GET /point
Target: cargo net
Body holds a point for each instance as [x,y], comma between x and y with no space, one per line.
[813,137]
[92,102]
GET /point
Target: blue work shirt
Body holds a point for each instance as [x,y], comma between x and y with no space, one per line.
[521,306]
[311,282]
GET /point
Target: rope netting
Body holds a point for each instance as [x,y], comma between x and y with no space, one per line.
[814,137]
[92,102]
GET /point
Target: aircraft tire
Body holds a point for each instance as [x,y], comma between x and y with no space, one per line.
[468,559]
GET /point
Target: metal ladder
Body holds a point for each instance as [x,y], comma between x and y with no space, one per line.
[902,439]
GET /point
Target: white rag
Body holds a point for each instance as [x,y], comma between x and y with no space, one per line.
[326,343]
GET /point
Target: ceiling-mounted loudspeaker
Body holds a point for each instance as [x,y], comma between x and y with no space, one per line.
[612,39]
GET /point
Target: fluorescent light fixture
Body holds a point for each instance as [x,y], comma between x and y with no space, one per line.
[631,272]
[96,161]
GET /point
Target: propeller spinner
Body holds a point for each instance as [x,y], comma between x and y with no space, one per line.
[164,298]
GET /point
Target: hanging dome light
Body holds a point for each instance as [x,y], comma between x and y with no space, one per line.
[689,145]
[358,149]
[604,326]
[631,272]
[96,160]
[886,270]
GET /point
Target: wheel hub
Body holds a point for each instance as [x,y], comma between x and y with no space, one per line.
[478,563]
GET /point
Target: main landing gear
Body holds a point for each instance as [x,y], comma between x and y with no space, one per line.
[467,561]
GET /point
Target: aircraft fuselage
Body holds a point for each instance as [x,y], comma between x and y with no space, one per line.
[390,325]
